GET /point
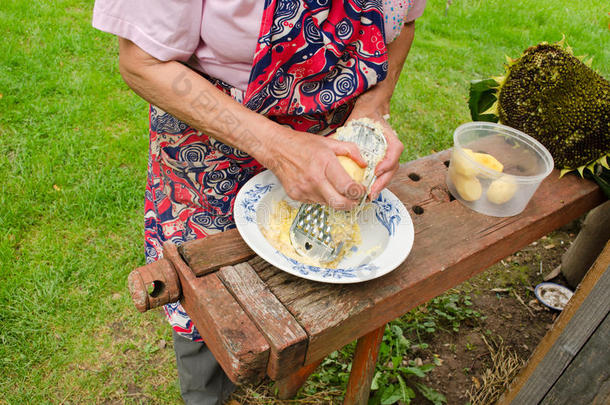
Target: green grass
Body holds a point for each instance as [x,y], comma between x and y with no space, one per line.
[73,152]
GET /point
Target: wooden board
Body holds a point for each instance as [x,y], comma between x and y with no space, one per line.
[452,244]
[587,378]
[287,339]
[214,251]
[585,311]
[235,341]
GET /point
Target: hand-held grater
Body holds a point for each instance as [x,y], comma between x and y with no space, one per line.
[310,232]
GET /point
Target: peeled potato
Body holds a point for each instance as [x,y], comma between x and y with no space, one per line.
[488,161]
[462,165]
[352,168]
[469,188]
[501,190]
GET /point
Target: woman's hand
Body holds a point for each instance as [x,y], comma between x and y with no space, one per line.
[389,164]
[308,168]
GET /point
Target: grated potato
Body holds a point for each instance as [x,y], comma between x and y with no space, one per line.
[277,232]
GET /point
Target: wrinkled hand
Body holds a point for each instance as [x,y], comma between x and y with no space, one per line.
[389,164]
[308,168]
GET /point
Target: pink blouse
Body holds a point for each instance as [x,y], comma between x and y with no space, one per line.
[213,36]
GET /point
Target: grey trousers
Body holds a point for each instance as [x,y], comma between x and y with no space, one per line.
[202,380]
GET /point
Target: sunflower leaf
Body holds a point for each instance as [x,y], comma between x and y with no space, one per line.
[482,97]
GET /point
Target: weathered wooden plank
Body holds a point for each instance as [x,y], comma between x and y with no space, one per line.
[585,311]
[452,244]
[422,183]
[159,275]
[214,251]
[232,337]
[587,378]
[287,339]
[363,368]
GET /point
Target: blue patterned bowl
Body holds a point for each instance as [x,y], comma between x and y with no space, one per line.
[386,230]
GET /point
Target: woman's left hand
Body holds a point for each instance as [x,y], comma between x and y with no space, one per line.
[387,167]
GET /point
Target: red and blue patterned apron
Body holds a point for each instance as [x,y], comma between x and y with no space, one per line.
[313,58]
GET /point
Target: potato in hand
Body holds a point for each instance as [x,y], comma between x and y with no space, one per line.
[352,168]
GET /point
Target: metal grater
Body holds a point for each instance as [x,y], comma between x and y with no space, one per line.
[310,232]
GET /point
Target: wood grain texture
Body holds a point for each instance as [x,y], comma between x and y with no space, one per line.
[587,378]
[232,337]
[363,368]
[287,339]
[452,244]
[214,251]
[581,316]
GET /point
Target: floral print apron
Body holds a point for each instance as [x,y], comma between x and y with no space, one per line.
[313,58]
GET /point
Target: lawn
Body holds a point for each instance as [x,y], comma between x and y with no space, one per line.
[73,154]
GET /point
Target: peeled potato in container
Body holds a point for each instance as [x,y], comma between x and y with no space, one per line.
[352,168]
[464,167]
[488,161]
[461,164]
[501,190]
[469,188]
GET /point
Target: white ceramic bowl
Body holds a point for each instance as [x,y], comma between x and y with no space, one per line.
[554,296]
[386,230]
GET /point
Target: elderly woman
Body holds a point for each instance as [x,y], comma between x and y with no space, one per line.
[236,86]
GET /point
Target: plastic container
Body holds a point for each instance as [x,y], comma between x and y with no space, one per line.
[495,169]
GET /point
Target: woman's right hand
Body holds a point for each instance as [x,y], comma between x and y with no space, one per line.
[308,168]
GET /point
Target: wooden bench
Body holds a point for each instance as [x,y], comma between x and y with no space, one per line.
[258,320]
